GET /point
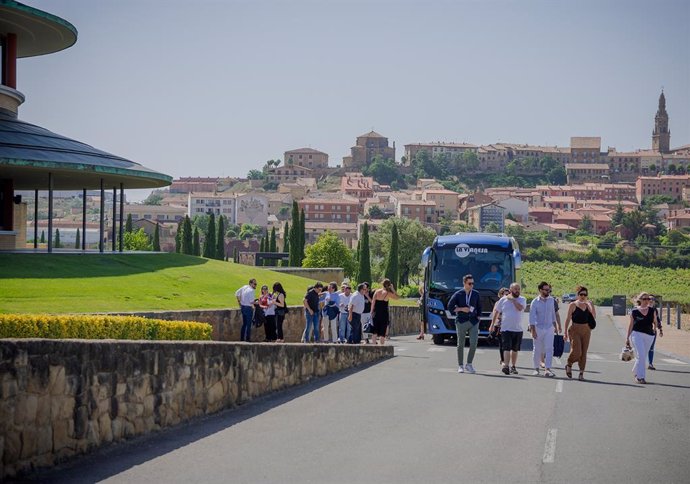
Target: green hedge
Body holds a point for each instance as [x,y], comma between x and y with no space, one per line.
[68,326]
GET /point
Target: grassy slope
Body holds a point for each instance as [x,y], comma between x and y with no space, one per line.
[95,283]
[604,281]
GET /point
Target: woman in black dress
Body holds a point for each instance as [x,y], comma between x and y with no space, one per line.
[379,310]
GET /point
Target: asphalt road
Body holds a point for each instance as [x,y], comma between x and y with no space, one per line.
[413,418]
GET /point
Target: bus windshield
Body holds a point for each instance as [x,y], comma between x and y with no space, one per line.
[492,269]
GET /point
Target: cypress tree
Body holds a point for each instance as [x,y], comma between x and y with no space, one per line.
[220,240]
[302,237]
[196,245]
[286,244]
[273,245]
[294,237]
[235,255]
[187,243]
[210,238]
[392,272]
[364,256]
[57,239]
[77,240]
[157,239]
[178,237]
[129,227]
[43,236]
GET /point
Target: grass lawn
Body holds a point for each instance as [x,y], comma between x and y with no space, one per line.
[75,283]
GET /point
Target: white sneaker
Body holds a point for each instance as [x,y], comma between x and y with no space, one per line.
[461,369]
[549,373]
[469,369]
[535,372]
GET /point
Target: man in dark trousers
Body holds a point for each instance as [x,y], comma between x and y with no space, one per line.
[467,307]
[311,312]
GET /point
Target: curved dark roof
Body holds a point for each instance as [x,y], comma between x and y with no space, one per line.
[38,32]
[28,152]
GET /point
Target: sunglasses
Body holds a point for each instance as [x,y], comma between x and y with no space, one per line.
[470,283]
[582,294]
[645,299]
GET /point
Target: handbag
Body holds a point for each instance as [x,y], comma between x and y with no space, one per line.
[591,322]
[627,353]
[558,345]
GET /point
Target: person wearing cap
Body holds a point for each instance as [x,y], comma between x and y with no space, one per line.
[311,312]
[343,300]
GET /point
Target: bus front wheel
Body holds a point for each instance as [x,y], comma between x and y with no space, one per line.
[438,339]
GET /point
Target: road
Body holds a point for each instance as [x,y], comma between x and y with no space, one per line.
[413,418]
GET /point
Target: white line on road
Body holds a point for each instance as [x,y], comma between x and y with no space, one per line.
[399,348]
[559,386]
[594,357]
[674,361]
[550,447]
[436,350]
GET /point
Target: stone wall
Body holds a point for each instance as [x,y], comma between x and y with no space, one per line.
[227,322]
[325,274]
[60,398]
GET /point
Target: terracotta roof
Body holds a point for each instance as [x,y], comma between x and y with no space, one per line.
[371,134]
[560,227]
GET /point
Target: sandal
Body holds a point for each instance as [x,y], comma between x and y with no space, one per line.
[569,371]
[581,377]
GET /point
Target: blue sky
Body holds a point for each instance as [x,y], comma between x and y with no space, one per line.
[211,88]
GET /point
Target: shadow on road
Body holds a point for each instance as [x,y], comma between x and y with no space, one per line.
[113,459]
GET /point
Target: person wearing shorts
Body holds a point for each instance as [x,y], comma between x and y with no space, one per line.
[511,307]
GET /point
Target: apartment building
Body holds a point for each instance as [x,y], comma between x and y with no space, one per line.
[586,172]
[585,149]
[335,210]
[669,185]
[194,184]
[357,185]
[288,173]
[347,232]
[481,216]
[446,202]
[590,191]
[438,148]
[217,203]
[306,157]
[421,210]
[559,203]
[156,213]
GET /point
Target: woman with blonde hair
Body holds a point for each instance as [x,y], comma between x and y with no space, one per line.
[379,309]
[641,333]
[582,313]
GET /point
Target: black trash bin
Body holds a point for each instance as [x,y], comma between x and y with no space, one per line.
[619,306]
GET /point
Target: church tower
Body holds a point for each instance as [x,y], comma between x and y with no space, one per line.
[661,137]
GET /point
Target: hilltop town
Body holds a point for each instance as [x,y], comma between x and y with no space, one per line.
[443,185]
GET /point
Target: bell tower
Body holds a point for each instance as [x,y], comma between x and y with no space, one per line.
[661,137]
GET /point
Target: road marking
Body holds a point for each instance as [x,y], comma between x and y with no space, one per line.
[674,361]
[559,386]
[594,357]
[550,447]
[399,348]
[436,350]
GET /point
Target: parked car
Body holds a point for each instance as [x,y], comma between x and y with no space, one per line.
[569,297]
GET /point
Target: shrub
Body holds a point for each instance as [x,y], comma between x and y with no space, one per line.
[74,326]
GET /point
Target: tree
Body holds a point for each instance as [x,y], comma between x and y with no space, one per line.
[586,224]
[286,237]
[196,244]
[256,175]
[156,244]
[77,240]
[210,238]
[178,237]
[43,236]
[272,245]
[329,251]
[492,228]
[57,239]
[364,257]
[248,231]
[186,237]
[295,257]
[384,171]
[220,242]
[235,255]
[671,169]
[413,239]
[138,240]
[375,212]
[129,226]
[155,198]
[302,236]
[617,216]
[392,266]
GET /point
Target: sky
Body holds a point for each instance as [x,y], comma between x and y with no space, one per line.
[216,88]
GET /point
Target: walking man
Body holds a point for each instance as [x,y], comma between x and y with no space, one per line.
[343,303]
[511,307]
[245,297]
[355,310]
[542,322]
[311,312]
[467,307]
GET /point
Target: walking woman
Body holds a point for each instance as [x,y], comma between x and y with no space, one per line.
[641,333]
[379,311]
[267,303]
[281,309]
[581,312]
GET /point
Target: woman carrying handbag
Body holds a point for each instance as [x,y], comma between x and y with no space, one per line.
[641,332]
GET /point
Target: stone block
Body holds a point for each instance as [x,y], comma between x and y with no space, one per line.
[61,437]
[120,389]
[93,434]
[29,442]
[105,427]
[43,409]
[62,407]
[149,404]
[44,437]
[13,447]
[9,387]
[58,383]
[118,428]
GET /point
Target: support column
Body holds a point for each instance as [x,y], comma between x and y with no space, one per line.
[9,61]
[114,218]
[50,212]
[122,214]
[36,219]
[83,219]
[102,220]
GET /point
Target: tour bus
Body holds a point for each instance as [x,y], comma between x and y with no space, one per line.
[492,259]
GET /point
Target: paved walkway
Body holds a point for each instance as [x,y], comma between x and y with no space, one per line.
[675,342]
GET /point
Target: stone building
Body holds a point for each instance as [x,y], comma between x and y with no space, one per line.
[669,185]
[585,149]
[366,148]
[661,136]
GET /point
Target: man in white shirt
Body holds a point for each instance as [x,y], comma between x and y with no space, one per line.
[542,322]
[511,307]
[331,313]
[343,301]
[245,297]
[355,310]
